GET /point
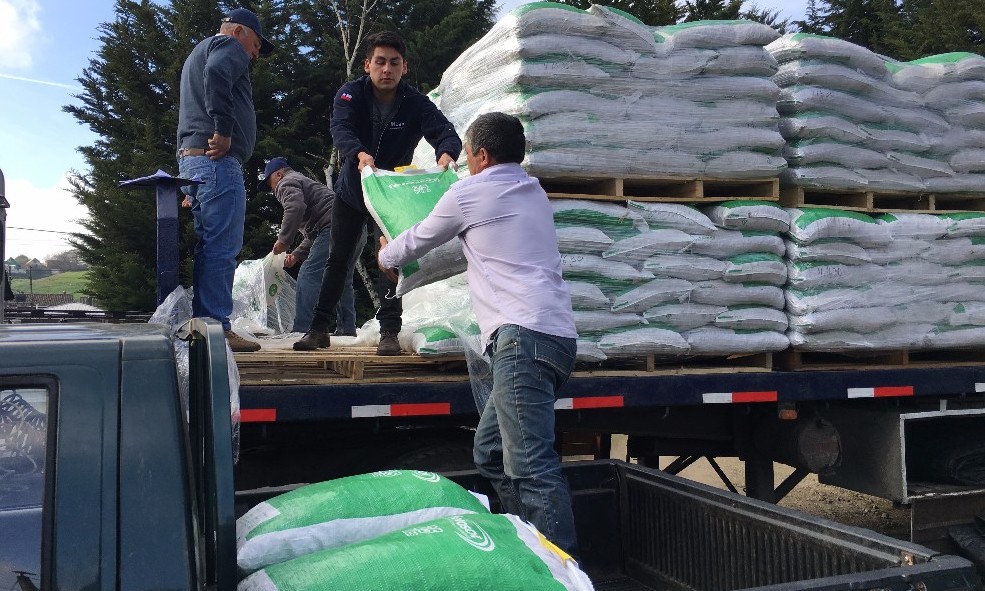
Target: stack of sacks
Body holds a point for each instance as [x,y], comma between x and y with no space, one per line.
[585,231]
[728,266]
[847,124]
[903,281]
[601,94]
[663,279]
[383,531]
[953,84]
[952,247]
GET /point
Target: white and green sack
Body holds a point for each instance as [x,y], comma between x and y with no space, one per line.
[398,201]
[461,553]
[344,511]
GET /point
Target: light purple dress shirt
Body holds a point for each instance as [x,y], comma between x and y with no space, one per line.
[506,225]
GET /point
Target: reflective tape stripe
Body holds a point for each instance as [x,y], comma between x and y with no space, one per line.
[590,402]
[402,410]
[258,415]
[738,397]
[880,392]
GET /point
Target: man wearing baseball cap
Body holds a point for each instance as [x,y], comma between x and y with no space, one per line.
[216,134]
[308,208]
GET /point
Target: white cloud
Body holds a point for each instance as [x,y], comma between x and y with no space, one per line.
[20,29]
[32,209]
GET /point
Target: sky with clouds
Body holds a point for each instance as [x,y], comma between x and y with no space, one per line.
[44,46]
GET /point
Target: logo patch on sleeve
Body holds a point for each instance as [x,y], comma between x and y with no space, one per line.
[346,96]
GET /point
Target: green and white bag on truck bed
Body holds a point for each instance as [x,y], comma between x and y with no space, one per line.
[481,552]
[346,510]
[397,201]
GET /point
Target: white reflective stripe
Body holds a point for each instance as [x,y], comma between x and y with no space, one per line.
[979,387]
[564,403]
[717,398]
[861,392]
[371,410]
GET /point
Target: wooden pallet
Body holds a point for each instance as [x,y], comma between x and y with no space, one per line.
[648,365]
[345,365]
[678,190]
[797,360]
[881,201]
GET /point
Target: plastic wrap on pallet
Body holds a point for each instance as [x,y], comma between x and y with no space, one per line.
[749,215]
[602,94]
[711,340]
[588,351]
[683,317]
[918,291]
[636,249]
[644,341]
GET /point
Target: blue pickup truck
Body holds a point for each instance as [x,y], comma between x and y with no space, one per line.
[109,479]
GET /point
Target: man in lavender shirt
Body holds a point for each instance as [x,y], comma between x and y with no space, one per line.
[506,226]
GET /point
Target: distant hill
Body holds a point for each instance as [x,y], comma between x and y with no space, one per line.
[68,282]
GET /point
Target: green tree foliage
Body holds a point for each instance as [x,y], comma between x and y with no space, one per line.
[701,10]
[129,99]
[767,17]
[652,12]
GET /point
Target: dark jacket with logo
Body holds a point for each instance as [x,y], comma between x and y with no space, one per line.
[414,116]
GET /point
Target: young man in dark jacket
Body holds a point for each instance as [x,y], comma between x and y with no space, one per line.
[377,121]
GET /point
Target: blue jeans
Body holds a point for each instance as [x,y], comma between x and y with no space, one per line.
[309,284]
[219,209]
[514,442]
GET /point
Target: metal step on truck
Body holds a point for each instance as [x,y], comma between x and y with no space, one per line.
[111,478]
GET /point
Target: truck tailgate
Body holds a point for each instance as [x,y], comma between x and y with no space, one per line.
[640,528]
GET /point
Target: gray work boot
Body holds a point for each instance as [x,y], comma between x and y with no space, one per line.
[313,339]
[240,345]
[388,344]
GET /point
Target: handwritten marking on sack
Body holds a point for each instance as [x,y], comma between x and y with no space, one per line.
[473,535]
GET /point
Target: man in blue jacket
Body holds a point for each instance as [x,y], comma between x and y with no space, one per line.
[377,121]
[216,133]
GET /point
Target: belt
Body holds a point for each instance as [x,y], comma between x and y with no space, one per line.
[191,152]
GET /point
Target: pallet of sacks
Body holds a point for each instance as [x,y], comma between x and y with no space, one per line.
[853,119]
[860,282]
[603,95]
[664,279]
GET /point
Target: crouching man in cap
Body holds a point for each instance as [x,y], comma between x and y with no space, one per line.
[308,208]
[523,308]
[216,134]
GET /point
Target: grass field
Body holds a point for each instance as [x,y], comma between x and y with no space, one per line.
[69,282]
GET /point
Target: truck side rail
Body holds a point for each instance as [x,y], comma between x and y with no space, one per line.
[210,431]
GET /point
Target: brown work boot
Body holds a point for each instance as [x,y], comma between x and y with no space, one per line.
[388,344]
[313,339]
[240,345]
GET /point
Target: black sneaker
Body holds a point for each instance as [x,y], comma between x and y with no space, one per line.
[313,339]
[388,344]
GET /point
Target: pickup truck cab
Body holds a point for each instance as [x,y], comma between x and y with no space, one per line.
[109,479]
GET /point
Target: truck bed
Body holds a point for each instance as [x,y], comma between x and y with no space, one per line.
[642,529]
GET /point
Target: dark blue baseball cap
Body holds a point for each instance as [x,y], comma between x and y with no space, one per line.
[273,166]
[242,16]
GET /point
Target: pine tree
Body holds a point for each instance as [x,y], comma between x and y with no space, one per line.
[767,17]
[652,12]
[127,98]
[699,10]
[813,23]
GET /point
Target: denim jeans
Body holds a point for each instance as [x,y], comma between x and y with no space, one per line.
[219,209]
[309,283]
[348,230]
[514,442]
